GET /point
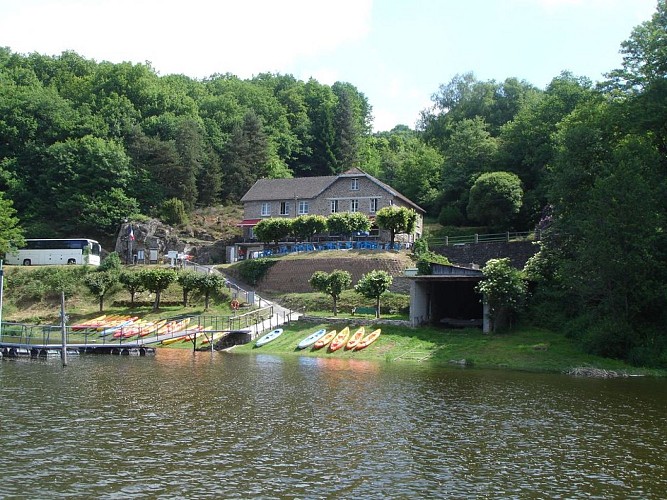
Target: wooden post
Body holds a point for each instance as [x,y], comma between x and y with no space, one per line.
[194,342]
[63,329]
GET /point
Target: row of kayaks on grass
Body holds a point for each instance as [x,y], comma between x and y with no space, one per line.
[335,340]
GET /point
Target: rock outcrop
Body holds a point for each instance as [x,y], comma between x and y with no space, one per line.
[139,238]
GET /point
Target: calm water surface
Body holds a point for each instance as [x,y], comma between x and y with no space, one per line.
[179,425]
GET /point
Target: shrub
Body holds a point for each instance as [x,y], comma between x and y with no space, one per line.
[173,212]
[253,270]
[450,216]
[427,258]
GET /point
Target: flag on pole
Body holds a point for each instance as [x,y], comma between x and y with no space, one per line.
[131,233]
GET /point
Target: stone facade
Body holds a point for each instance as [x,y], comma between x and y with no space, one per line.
[353,191]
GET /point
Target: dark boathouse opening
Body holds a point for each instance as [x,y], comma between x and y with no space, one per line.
[447,298]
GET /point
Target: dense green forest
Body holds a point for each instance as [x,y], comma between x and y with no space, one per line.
[84,144]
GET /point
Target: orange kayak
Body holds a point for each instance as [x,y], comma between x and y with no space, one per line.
[356,338]
[153,328]
[368,339]
[324,340]
[340,340]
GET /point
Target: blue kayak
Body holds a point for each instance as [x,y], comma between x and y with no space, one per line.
[311,339]
[272,335]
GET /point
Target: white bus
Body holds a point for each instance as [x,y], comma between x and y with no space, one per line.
[40,252]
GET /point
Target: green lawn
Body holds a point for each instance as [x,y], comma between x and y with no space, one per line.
[526,349]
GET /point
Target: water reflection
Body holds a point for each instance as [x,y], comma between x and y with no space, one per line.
[213,425]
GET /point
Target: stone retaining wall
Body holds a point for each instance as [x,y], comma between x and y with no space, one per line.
[292,275]
[480,253]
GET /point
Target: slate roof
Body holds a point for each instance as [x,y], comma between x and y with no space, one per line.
[306,188]
[280,189]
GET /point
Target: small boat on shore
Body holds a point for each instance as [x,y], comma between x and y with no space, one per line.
[324,340]
[368,340]
[152,328]
[312,338]
[340,340]
[118,325]
[355,338]
[89,324]
[272,335]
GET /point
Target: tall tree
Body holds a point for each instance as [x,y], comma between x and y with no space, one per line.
[469,151]
[11,233]
[246,157]
[644,54]
[321,104]
[608,189]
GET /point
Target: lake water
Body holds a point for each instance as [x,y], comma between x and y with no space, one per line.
[215,425]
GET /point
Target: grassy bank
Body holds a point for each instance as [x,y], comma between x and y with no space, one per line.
[525,349]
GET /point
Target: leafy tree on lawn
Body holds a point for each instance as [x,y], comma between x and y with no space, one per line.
[396,220]
[504,289]
[332,284]
[273,229]
[209,284]
[305,226]
[111,263]
[495,198]
[133,283]
[11,234]
[346,223]
[189,281]
[358,222]
[101,284]
[157,281]
[372,285]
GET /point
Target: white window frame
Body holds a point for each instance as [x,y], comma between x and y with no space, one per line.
[303,207]
[284,208]
[266,209]
[354,205]
[373,207]
[355,184]
[334,206]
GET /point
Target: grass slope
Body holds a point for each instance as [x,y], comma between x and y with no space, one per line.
[528,350]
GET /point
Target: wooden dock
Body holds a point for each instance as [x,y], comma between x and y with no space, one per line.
[20,346]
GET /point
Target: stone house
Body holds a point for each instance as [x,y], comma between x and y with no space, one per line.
[351,191]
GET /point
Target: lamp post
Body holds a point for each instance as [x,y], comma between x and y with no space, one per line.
[130,238]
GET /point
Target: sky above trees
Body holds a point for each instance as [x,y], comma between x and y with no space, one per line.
[396,52]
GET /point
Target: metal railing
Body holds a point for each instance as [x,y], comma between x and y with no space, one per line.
[505,237]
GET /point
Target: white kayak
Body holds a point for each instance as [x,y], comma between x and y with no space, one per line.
[272,335]
[312,338]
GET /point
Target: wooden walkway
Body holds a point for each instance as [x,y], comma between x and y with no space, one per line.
[99,345]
